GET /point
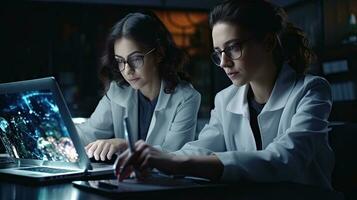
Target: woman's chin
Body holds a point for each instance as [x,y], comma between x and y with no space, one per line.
[238,82]
[135,85]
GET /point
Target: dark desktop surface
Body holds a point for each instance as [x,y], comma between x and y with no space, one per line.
[15,190]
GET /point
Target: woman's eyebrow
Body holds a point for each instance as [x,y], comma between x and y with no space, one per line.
[134,52]
[227,43]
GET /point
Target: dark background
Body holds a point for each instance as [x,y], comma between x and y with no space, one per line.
[65,39]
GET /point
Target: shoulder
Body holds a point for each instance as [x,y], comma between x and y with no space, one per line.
[225,95]
[312,82]
[185,90]
[315,80]
[309,88]
[117,91]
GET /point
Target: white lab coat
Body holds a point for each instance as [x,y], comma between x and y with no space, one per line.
[172,125]
[293,126]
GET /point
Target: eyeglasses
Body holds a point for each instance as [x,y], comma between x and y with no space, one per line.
[233,52]
[134,61]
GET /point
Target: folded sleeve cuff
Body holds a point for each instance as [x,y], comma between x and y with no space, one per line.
[230,170]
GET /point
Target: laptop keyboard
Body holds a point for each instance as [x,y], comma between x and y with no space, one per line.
[100,165]
[47,170]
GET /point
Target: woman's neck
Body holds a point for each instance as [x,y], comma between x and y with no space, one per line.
[262,86]
[151,90]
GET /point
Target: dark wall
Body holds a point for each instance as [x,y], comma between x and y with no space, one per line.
[57,39]
[66,40]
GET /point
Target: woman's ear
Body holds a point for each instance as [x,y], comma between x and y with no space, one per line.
[270,42]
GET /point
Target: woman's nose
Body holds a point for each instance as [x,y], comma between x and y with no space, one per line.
[225,61]
[127,69]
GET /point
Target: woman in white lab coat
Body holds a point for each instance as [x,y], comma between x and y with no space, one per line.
[147,85]
[271,123]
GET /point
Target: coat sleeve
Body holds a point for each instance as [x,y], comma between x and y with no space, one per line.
[99,125]
[290,154]
[210,139]
[183,127]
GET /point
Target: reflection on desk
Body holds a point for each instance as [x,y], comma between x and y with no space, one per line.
[54,191]
[249,191]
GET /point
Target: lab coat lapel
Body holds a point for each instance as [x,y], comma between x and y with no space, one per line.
[132,112]
[282,89]
[127,97]
[160,106]
[238,108]
[239,104]
[270,116]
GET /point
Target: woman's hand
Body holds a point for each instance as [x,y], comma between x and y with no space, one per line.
[143,160]
[104,149]
[146,157]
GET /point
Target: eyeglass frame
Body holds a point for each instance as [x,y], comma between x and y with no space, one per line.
[126,61]
[234,43]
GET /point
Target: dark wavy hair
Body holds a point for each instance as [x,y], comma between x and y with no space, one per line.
[261,18]
[146,29]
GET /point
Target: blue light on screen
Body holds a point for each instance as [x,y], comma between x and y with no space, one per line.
[31,127]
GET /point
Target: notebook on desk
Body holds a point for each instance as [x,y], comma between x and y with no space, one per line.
[38,133]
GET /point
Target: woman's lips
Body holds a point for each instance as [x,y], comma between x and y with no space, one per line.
[133,79]
[232,75]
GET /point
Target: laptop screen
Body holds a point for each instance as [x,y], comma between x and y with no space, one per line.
[31,127]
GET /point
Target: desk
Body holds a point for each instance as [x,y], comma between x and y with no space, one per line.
[274,191]
[45,192]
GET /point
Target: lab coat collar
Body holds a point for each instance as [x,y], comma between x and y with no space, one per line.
[239,104]
[163,98]
[277,100]
[125,96]
[282,89]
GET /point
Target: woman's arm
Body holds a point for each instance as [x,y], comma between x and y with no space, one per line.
[209,167]
[99,125]
[98,132]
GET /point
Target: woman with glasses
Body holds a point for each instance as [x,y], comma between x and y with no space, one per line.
[147,86]
[270,125]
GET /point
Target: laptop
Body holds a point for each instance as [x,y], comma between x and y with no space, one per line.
[38,133]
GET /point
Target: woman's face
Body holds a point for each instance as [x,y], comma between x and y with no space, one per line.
[243,57]
[142,68]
